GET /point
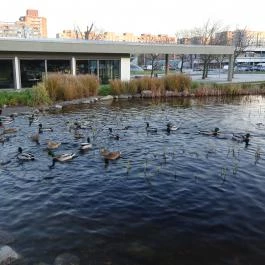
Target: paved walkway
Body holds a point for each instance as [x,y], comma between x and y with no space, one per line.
[222,77]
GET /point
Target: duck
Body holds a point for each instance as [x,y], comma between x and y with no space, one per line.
[113,136]
[41,129]
[241,138]
[150,129]
[35,138]
[33,118]
[78,135]
[110,155]
[3,139]
[215,132]
[9,130]
[86,145]
[171,127]
[53,145]
[61,157]
[24,156]
[7,119]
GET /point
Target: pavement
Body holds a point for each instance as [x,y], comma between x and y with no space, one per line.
[216,77]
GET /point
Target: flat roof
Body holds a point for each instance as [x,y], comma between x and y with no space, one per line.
[110,47]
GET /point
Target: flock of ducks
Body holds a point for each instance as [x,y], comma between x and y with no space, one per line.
[7,132]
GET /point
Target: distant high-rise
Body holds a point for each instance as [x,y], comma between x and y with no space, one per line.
[29,26]
[36,23]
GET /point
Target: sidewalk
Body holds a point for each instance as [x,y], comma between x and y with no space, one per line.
[222,77]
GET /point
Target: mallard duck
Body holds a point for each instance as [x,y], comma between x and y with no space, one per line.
[7,119]
[86,145]
[241,138]
[215,132]
[9,130]
[150,129]
[41,129]
[78,135]
[24,156]
[33,118]
[171,127]
[52,145]
[112,135]
[35,138]
[3,139]
[61,157]
[110,155]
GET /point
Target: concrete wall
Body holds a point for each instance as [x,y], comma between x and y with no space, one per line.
[125,69]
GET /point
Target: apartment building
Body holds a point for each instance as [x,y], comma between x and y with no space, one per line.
[29,26]
[111,36]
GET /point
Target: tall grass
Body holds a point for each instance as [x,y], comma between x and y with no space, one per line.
[68,87]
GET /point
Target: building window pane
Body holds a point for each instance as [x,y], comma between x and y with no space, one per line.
[86,67]
[59,66]
[109,69]
[6,74]
[32,72]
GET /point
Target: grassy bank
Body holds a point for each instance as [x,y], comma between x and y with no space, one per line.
[58,87]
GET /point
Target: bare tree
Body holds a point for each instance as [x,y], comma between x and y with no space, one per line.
[242,40]
[154,57]
[88,31]
[206,36]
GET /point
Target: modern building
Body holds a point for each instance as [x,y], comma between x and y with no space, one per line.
[24,62]
[29,26]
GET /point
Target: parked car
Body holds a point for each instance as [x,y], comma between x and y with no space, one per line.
[136,68]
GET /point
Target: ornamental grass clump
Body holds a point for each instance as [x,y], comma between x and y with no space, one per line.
[88,85]
[117,87]
[177,83]
[68,87]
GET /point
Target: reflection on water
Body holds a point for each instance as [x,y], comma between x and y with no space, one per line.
[172,198]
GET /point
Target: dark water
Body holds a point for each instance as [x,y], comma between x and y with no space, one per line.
[178,198]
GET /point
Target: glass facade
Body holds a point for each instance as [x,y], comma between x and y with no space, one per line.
[6,74]
[104,69]
[87,67]
[59,66]
[32,72]
[109,69]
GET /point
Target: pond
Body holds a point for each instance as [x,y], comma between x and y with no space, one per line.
[172,198]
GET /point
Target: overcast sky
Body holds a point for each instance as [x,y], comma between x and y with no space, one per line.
[139,16]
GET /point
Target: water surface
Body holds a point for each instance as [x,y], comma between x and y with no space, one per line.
[178,198]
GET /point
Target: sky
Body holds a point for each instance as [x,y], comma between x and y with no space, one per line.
[139,16]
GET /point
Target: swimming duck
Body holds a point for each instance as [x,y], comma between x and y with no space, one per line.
[33,118]
[85,146]
[78,135]
[9,130]
[52,145]
[3,139]
[7,119]
[35,138]
[150,129]
[215,132]
[24,156]
[241,138]
[110,155]
[41,129]
[60,158]
[171,127]
[113,136]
